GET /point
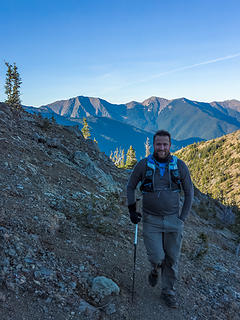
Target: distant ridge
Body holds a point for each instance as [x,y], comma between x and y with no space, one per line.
[185,119]
[229,104]
[111,134]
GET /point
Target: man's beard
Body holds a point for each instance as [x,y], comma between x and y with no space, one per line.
[161,159]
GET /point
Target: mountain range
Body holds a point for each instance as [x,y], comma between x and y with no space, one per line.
[119,125]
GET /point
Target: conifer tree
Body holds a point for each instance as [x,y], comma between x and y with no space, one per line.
[122,159]
[8,83]
[16,88]
[116,157]
[85,129]
[119,159]
[147,148]
[53,120]
[12,86]
[111,155]
[131,158]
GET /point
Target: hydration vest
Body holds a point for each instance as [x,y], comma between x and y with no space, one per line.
[174,177]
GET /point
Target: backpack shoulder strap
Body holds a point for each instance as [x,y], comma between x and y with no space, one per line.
[173,165]
[150,162]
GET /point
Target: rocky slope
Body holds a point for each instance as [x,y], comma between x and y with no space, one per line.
[67,243]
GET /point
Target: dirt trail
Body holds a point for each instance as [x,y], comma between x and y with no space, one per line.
[201,289]
[147,302]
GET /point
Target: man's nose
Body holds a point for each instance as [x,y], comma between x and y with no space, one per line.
[161,147]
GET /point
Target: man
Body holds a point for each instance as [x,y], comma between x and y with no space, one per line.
[162,176]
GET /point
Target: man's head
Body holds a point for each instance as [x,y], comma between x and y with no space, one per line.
[161,144]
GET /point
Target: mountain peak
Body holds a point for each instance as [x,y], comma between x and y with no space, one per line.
[154,99]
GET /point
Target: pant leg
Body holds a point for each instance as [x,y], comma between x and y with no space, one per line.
[172,247]
[153,239]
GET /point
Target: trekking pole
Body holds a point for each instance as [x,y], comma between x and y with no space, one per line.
[135,251]
[134,259]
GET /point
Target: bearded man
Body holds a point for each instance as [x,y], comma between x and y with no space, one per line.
[162,177]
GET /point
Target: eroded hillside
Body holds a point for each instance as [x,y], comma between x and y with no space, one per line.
[64,223]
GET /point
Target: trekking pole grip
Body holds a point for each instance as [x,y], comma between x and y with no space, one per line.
[138,205]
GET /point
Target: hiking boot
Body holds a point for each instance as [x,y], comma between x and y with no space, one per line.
[153,278]
[170,300]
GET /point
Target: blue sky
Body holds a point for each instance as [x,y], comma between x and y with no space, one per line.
[122,50]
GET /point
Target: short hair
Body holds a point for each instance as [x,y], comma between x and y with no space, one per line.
[162,133]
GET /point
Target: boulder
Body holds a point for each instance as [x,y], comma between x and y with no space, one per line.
[103,287]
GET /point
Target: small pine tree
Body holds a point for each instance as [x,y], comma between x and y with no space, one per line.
[53,120]
[16,88]
[85,129]
[122,159]
[147,148]
[111,155]
[12,86]
[116,157]
[8,83]
[131,158]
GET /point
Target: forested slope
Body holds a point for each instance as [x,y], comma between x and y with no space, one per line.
[214,166]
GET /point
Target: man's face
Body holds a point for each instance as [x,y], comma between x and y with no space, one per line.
[161,146]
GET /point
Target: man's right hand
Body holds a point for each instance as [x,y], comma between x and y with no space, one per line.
[135,216]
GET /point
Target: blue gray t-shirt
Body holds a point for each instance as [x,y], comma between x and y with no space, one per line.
[162,167]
